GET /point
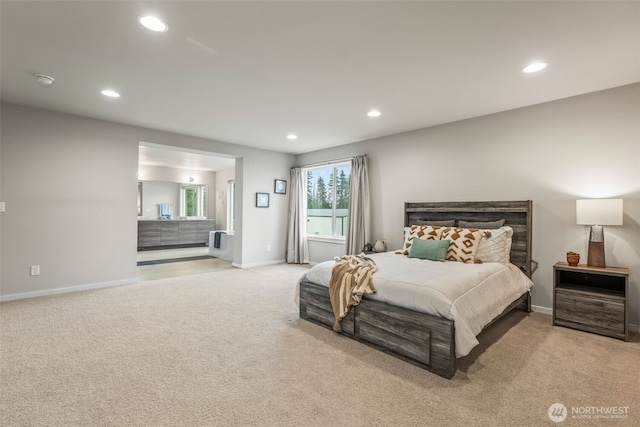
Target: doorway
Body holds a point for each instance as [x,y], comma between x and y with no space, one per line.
[175,187]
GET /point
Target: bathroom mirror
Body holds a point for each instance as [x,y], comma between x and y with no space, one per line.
[187,201]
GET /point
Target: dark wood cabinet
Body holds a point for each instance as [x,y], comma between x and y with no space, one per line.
[169,235]
[202,230]
[159,234]
[592,299]
[149,233]
[188,231]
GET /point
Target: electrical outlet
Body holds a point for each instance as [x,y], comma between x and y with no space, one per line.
[268,248]
[35,270]
[1,206]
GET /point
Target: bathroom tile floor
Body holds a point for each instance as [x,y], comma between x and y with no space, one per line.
[182,268]
[172,253]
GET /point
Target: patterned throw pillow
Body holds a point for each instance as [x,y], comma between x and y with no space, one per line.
[464,243]
[497,247]
[425,232]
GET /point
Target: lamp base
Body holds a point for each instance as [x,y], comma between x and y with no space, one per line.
[595,256]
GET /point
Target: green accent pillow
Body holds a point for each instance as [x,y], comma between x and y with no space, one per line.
[434,250]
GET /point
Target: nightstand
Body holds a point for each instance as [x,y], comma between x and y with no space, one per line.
[592,299]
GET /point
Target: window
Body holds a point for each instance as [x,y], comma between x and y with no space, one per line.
[139,198]
[193,201]
[231,200]
[328,200]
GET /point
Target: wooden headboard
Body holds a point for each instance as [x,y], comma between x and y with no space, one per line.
[517,215]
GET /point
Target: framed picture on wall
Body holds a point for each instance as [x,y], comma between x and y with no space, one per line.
[280,186]
[262,200]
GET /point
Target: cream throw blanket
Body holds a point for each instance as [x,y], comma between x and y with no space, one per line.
[350,279]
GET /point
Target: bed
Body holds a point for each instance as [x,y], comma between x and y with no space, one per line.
[434,337]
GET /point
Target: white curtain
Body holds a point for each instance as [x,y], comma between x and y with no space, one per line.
[297,246]
[359,220]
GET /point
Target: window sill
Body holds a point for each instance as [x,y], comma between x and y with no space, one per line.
[327,239]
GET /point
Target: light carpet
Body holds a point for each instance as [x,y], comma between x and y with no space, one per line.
[228,349]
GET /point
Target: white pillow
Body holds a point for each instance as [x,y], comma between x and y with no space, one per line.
[496,247]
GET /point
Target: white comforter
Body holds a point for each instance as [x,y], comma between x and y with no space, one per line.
[471,295]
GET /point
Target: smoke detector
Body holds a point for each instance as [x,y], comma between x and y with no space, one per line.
[44,79]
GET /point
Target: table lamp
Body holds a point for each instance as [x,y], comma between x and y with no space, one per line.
[596,213]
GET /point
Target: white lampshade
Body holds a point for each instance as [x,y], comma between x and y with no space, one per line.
[599,212]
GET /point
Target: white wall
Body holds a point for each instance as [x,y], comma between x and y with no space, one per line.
[70,188]
[70,184]
[270,224]
[320,250]
[552,153]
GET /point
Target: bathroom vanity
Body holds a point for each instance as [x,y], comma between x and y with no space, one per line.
[159,234]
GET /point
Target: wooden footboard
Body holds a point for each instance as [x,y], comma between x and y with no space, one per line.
[421,339]
[315,306]
[418,338]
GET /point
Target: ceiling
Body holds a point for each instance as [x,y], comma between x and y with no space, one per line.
[251,73]
[174,157]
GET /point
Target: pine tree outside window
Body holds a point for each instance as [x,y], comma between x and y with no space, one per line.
[328,200]
[193,201]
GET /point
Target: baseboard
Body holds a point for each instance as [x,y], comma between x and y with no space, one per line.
[258,264]
[36,294]
[543,310]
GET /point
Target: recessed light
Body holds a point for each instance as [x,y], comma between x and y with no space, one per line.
[152,23]
[44,79]
[110,93]
[292,136]
[373,113]
[534,67]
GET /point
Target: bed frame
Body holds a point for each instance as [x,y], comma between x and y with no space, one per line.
[418,338]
